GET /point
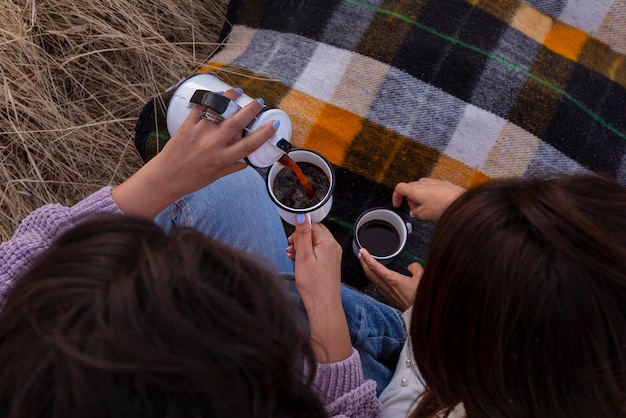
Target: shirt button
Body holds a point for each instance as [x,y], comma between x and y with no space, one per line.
[408,362]
[404,382]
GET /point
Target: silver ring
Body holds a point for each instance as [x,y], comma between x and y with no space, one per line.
[211,117]
[216,102]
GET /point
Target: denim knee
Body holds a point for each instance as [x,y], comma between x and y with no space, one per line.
[377,331]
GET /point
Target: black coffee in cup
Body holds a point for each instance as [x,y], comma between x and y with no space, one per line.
[382,232]
[379,237]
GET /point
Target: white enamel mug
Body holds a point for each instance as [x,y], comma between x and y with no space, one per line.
[391,221]
[318,211]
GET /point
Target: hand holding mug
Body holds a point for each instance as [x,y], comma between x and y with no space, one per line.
[395,287]
[317,263]
[318,279]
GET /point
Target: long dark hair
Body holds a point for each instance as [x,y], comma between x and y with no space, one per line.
[119,319]
[521,311]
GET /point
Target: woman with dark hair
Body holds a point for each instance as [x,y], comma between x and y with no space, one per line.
[119,319]
[109,315]
[521,308]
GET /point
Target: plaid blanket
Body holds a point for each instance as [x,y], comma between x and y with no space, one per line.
[465,91]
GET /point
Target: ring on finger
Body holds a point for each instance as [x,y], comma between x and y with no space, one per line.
[215,102]
[211,117]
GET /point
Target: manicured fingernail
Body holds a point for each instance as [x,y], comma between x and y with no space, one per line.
[276,124]
[300,218]
[261,101]
[239,90]
[360,252]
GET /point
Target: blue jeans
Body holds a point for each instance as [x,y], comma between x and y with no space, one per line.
[237,211]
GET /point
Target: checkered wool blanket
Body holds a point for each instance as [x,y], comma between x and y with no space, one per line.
[465,91]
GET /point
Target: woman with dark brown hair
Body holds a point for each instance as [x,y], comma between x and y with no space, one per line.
[104,317]
[521,308]
[120,319]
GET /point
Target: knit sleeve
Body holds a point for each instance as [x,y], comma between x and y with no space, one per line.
[39,229]
[344,391]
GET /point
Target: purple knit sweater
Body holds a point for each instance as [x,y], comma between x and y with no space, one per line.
[340,385]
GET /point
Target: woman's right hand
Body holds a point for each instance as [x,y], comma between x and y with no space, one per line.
[199,153]
[428,198]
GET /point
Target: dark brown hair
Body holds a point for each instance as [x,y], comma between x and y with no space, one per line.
[521,311]
[120,320]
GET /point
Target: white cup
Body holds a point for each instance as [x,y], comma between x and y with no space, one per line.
[382,232]
[318,211]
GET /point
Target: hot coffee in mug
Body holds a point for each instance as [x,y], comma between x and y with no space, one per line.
[382,232]
[286,185]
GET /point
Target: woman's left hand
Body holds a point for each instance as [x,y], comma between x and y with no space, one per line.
[395,287]
[318,279]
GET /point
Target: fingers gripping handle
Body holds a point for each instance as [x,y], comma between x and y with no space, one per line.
[221,105]
[202,89]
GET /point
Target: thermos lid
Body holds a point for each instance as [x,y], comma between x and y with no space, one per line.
[268,153]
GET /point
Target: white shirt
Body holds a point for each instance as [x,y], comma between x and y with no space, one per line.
[400,396]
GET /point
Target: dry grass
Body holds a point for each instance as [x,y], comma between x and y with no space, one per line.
[75,75]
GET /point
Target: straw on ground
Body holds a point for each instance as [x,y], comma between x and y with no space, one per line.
[75,76]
